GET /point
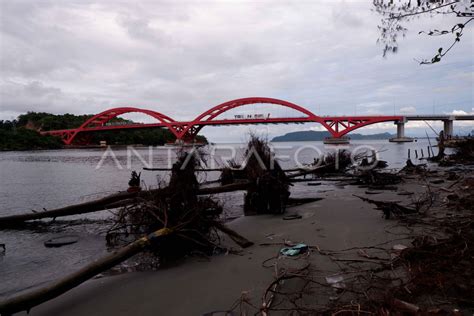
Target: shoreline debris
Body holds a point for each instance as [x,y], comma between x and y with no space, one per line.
[60,241]
[268,191]
[294,250]
[134,183]
[390,208]
[168,226]
[25,302]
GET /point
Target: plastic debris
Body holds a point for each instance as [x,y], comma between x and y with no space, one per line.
[295,250]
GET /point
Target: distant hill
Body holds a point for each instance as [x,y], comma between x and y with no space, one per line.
[319,136]
[23,133]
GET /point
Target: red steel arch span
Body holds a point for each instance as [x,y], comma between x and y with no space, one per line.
[338,126]
[99,123]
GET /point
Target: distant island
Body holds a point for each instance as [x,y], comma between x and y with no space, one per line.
[320,135]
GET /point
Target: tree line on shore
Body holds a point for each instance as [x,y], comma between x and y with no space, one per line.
[23,133]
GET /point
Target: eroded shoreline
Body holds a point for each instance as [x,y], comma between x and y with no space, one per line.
[198,286]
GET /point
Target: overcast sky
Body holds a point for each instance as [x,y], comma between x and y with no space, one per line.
[183,57]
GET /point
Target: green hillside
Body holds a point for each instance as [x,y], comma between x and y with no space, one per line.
[23,133]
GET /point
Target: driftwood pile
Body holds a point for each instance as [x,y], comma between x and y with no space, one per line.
[232,173]
[376,179]
[430,275]
[182,207]
[169,222]
[441,266]
[411,168]
[268,184]
[336,163]
[463,151]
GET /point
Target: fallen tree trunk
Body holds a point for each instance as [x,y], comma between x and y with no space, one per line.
[24,302]
[82,208]
[28,300]
[108,202]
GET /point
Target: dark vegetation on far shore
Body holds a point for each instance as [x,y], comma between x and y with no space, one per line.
[23,133]
[14,137]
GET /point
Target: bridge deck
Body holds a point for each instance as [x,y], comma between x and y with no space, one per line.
[338,126]
[435,117]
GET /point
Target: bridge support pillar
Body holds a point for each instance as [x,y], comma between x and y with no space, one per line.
[400,130]
[401,133]
[448,128]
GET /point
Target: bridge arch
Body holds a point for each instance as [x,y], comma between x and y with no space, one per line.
[102,118]
[229,105]
[188,130]
[339,126]
[200,121]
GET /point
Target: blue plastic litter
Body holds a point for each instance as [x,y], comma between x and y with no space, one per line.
[295,250]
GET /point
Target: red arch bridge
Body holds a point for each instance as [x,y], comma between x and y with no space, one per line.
[186,131]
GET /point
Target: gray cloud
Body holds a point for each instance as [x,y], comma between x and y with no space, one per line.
[181,58]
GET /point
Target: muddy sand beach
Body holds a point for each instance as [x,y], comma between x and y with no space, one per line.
[235,283]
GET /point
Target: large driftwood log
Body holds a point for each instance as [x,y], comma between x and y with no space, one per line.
[24,302]
[108,202]
[28,300]
[82,208]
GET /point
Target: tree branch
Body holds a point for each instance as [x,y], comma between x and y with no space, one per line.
[421,12]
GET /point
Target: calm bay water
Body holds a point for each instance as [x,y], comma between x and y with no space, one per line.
[37,180]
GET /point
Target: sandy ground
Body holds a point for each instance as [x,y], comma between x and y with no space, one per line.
[202,285]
